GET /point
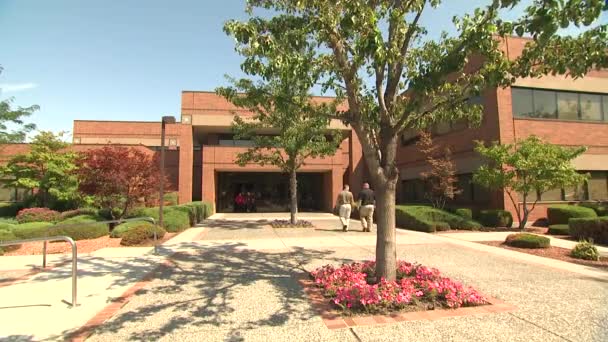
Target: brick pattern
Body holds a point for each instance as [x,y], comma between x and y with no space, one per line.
[333,320]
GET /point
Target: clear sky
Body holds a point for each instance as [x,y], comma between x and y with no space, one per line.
[125,60]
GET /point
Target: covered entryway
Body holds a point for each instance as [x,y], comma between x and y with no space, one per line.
[267,191]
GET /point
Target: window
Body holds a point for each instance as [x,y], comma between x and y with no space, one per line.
[605,106]
[465,185]
[598,185]
[522,102]
[413,191]
[567,106]
[544,104]
[551,195]
[591,107]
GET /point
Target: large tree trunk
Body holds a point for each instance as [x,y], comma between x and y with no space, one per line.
[293,190]
[386,244]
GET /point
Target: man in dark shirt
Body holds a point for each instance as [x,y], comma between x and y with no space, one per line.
[367,203]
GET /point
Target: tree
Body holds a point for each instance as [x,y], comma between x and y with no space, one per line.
[375,56]
[117,177]
[528,168]
[282,103]
[440,180]
[46,170]
[14,116]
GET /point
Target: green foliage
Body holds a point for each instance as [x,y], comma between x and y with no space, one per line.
[429,219]
[495,218]
[174,220]
[601,208]
[189,210]
[7,221]
[7,235]
[80,228]
[10,209]
[122,228]
[527,167]
[585,250]
[559,229]
[464,213]
[80,211]
[171,198]
[561,214]
[31,230]
[141,234]
[48,168]
[526,240]
[14,117]
[595,229]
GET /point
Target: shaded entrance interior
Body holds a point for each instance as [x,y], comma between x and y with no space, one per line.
[270,191]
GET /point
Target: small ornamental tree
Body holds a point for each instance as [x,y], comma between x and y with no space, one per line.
[47,170]
[14,117]
[440,180]
[525,169]
[117,177]
[378,57]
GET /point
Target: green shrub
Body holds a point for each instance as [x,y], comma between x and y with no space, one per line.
[141,234]
[526,240]
[122,228]
[8,220]
[10,209]
[7,226]
[595,229]
[585,250]
[495,218]
[6,235]
[31,230]
[600,208]
[174,220]
[429,219]
[106,213]
[77,212]
[560,214]
[464,213]
[80,228]
[189,210]
[37,215]
[559,229]
[171,198]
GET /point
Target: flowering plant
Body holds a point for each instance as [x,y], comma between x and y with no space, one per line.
[37,215]
[350,287]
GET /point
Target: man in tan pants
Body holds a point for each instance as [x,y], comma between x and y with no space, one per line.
[345,202]
[367,200]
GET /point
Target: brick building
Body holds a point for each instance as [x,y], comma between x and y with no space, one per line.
[202,150]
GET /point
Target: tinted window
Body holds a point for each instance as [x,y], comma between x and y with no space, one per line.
[598,185]
[605,107]
[544,104]
[567,106]
[522,102]
[591,107]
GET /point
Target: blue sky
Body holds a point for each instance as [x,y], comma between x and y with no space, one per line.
[125,60]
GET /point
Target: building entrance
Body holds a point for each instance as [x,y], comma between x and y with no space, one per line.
[266,192]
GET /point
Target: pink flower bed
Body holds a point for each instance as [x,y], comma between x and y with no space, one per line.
[349,287]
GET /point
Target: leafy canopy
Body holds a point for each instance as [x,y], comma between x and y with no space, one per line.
[117,177]
[47,169]
[13,117]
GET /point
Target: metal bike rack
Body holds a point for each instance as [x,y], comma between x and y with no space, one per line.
[54,238]
[68,239]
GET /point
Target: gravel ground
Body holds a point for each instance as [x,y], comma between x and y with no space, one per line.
[225,293]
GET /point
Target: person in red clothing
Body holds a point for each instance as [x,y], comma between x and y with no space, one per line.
[239,202]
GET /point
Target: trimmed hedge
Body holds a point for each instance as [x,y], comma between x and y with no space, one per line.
[560,214]
[171,198]
[595,229]
[77,212]
[189,210]
[600,208]
[174,220]
[6,235]
[88,230]
[429,219]
[526,240]
[122,228]
[141,234]
[464,213]
[10,209]
[31,230]
[559,229]
[37,215]
[495,218]
[585,250]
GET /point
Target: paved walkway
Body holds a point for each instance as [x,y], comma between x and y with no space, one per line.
[236,281]
[501,236]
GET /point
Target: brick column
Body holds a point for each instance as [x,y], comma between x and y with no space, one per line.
[357,167]
[185,163]
[208,190]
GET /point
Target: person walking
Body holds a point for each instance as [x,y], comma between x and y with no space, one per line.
[345,203]
[367,200]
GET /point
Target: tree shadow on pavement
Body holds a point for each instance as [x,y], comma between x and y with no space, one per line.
[221,287]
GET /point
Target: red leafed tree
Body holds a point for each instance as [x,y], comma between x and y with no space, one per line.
[440,180]
[117,177]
